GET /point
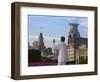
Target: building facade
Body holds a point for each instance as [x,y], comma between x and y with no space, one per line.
[77,46]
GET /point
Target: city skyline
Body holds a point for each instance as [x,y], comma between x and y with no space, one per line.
[54,27]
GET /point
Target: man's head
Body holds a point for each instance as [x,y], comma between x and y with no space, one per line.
[62,39]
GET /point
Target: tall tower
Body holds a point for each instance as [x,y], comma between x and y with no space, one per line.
[41,42]
[72,42]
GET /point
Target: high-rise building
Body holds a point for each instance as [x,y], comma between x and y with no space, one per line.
[41,42]
[35,45]
[29,46]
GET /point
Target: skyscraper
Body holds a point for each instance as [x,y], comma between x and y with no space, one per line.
[41,42]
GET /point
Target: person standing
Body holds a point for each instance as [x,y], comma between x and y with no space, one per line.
[62,56]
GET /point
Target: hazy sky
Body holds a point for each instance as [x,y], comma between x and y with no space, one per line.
[54,27]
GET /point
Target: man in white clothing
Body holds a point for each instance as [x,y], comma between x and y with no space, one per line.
[62,57]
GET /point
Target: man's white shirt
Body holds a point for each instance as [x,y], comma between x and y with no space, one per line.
[62,57]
